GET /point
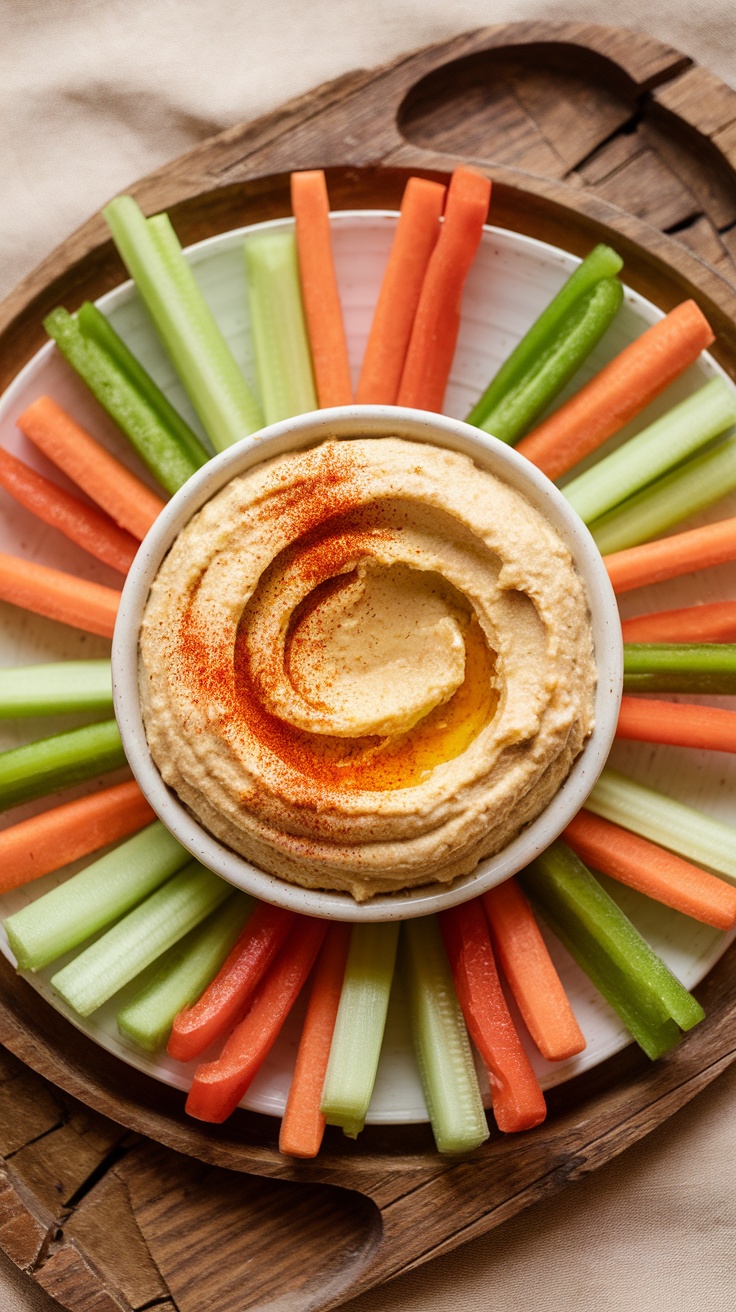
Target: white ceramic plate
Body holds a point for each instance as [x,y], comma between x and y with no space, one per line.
[512,280]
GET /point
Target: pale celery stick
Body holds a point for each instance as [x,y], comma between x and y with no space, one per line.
[361,1019]
[283,360]
[441,1042]
[154,259]
[663,820]
[688,489]
[657,448]
[139,938]
[183,975]
[64,917]
[55,689]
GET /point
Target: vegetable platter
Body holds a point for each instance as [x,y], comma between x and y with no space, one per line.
[371,131]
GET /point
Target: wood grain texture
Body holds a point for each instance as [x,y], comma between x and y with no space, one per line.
[109,1197]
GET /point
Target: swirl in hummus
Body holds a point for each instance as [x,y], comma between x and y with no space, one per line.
[367,665]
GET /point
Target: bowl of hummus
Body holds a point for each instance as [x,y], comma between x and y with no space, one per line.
[367,663]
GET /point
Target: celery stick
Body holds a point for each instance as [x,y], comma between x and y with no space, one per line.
[65,916]
[600,263]
[140,938]
[55,689]
[361,1019]
[660,446]
[688,489]
[154,259]
[441,1042]
[578,333]
[136,410]
[58,762]
[283,360]
[98,329]
[184,973]
[705,667]
[654,1036]
[663,820]
[634,980]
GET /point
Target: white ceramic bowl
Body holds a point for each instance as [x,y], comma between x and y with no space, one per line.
[309,430]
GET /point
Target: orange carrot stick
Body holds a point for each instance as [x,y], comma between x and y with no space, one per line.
[229,993]
[303,1125]
[680,724]
[683,553]
[619,392]
[69,446]
[393,319]
[518,1101]
[437,320]
[652,870]
[59,596]
[89,527]
[322,308]
[51,840]
[713,622]
[529,969]
[219,1085]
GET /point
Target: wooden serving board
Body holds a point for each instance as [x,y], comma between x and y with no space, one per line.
[109,1197]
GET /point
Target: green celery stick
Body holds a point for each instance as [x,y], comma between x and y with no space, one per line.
[655,1036]
[65,916]
[99,329]
[686,490]
[183,975]
[154,259]
[136,410]
[601,263]
[283,360]
[441,1042]
[705,667]
[639,986]
[660,446]
[571,344]
[139,938]
[55,689]
[58,762]
[361,1019]
[663,820]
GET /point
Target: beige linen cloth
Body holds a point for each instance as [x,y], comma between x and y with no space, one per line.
[94,94]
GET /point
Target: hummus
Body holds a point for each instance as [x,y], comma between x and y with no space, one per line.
[367,666]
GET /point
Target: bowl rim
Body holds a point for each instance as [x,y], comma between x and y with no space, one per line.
[346,423]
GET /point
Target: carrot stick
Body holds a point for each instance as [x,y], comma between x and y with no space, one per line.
[51,840]
[393,319]
[619,392]
[678,723]
[303,1125]
[227,996]
[652,870]
[528,967]
[89,527]
[683,553]
[437,320]
[59,596]
[125,498]
[713,622]
[319,288]
[518,1101]
[219,1085]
